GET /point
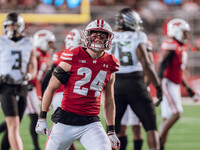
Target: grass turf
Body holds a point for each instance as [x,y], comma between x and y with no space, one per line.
[184,135]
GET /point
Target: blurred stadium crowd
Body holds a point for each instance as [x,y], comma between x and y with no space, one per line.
[155,15]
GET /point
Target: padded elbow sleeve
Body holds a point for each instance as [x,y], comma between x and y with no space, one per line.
[61,75]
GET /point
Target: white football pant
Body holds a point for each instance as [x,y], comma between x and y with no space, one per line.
[91,136]
[32,102]
[171,102]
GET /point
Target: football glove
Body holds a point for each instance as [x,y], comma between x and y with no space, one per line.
[24,81]
[159,96]
[115,143]
[195,98]
[42,127]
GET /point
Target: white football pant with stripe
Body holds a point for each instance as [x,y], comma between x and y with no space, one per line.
[171,102]
[91,136]
[32,102]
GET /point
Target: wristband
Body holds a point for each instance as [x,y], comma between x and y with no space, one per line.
[190,92]
[43,114]
[111,128]
[158,87]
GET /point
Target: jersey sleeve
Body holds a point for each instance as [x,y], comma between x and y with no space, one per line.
[169,45]
[115,64]
[56,58]
[68,55]
[142,37]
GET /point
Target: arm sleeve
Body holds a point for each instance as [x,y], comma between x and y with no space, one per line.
[45,81]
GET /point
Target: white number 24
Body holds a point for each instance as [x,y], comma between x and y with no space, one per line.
[96,84]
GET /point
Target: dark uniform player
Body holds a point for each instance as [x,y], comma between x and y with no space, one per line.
[131,50]
[17,66]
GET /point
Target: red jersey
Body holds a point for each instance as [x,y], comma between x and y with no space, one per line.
[175,68]
[88,77]
[56,61]
[42,66]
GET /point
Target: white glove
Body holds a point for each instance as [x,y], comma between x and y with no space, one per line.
[115,143]
[42,127]
[195,98]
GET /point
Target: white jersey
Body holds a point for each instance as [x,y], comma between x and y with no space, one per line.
[14,56]
[124,49]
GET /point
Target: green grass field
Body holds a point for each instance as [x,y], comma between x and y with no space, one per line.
[185,134]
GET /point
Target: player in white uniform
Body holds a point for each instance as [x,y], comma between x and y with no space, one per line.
[18,65]
[130,47]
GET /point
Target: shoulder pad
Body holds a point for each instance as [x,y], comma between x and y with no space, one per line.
[169,44]
[68,54]
[115,63]
[28,40]
[3,39]
[142,37]
[56,57]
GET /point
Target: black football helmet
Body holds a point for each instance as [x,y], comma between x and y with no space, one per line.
[128,20]
[13,19]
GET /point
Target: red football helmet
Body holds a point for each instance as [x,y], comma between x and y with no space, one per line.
[101,26]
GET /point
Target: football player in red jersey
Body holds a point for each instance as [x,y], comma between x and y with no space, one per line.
[86,72]
[171,69]
[43,42]
[72,40]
